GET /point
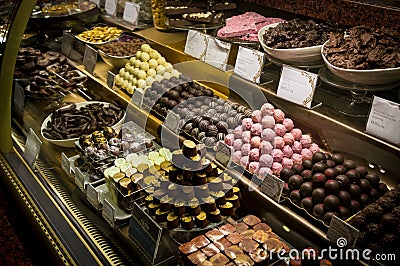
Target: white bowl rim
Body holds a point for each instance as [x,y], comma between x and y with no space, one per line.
[97,43]
[116,57]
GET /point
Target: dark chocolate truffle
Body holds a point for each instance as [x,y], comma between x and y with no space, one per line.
[295,182]
[295,196]
[319,167]
[344,181]
[373,229]
[355,191]
[307,204]
[373,211]
[332,187]
[297,169]
[306,189]
[328,217]
[365,186]
[318,180]
[286,173]
[344,197]
[307,175]
[318,157]
[318,195]
[331,203]
[349,164]
[330,173]
[344,212]
[318,210]
[390,220]
[307,164]
[364,200]
[354,176]
[354,206]
[340,169]
[362,170]
[374,179]
[337,158]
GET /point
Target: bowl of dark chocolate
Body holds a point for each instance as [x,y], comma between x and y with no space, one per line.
[87,121]
[364,56]
[294,41]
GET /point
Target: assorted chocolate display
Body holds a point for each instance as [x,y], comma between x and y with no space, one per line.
[297,33]
[328,185]
[128,47]
[379,224]
[364,48]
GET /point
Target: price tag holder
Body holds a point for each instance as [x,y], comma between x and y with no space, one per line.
[111,7]
[137,98]
[65,163]
[67,42]
[79,179]
[217,53]
[19,96]
[92,196]
[272,187]
[131,13]
[32,148]
[110,80]
[196,44]
[297,85]
[341,233]
[172,121]
[145,231]
[90,59]
[249,64]
[384,120]
[224,153]
[108,212]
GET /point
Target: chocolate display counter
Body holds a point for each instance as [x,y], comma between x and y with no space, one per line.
[55,184]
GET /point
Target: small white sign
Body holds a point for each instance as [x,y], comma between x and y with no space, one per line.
[110,80]
[32,148]
[196,44]
[172,121]
[224,153]
[272,187]
[249,64]
[108,212]
[137,98]
[19,96]
[65,163]
[92,196]
[90,59]
[111,7]
[297,86]
[66,45]
[217,53]
[384,120]
[341,233]
[79,179]
[131,13]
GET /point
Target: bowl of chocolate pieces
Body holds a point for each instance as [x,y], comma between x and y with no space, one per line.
[364,55]
[294,41]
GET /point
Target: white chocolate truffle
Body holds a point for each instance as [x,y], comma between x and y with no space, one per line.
[134,81]
[141,83]
[175,73]
[136,71]
[138,54]
[155,55]
[144,66]
[132,60]
[145,48]
[144,57]
[125,84]
[161,60]
[153,63]
[137,63]
[168,67]
[158,77]
[160,69]
[122,72]
[167,75]
[142,74]
[149,81]
[151,72]
[118,80]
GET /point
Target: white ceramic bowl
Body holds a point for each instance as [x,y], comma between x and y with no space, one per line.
[70,143]
[367,77]
[114,61]
[291,55]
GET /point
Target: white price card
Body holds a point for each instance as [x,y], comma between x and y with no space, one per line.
[131,13]
[341,233]
[137,98]
[19,96]
[92,196]
[217,53]
[111,7]
[65,163]
[223,153]
[67,42]
[196,44]
[297,85]
[90,58]
[249,64]
[172,121]
[384,120]
[110,80]
[79,179]
[32,148]
[272,186]
[108,212]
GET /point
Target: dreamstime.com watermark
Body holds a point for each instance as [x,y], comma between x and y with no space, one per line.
[332,253]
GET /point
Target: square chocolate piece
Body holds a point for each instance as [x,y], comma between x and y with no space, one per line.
[187,248]
[214,235]
[251,220]
[234,238]
[227,229]
[222,244]
[210,250]
[197,257]
[200,241]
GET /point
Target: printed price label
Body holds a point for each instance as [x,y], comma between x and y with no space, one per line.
[66,45]
[217,53]
[108,212]
[137,98]
[297,86]
[79,179]
[131,13]
[19,96]
[249,64]
[110,80]
[92,196]
[272,187]
[65,163]
[90,59]
[172,121]
[196,44]
[384,120]
[32,148]
[341,233]
[224,153]
[111,7]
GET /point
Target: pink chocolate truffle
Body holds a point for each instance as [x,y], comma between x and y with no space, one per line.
[287,151]
[296,132]
[229,139]
[306,154]
[287,163]
[266,160]
[254,167]
[279,115]
[266,147]
[255,142]
[256,116]
[297,158]
[237,144]
[256,129]
[276,168]
[268,134]
[268,121]
[237,155]
[244,161]
[238,132]
[280,130]
[277,154]
[305,141]
[297,147]
[247,123]
[267,109]
[278,143]
[288,123]
[314,148]
[288,139]
[263,172]
[246,149]
[254,154]
[246,136]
